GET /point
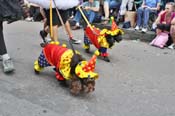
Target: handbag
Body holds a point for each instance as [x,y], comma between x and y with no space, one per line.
[131,16]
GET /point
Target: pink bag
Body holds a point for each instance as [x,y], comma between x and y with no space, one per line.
[160,40]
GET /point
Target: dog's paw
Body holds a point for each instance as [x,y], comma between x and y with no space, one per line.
[36,72]
[106,59]
[63,83]
[87,50]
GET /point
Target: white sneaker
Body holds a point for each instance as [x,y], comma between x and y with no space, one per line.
[172,46]
[144,30]
[29,19]
[8,66]
[137,28]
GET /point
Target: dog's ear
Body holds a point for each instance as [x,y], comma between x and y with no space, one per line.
[74,61]
[110,40]
[75,85]
[118,38]
[88,85]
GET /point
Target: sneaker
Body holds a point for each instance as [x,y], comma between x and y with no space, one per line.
[8,65]
[137,28]
[0,58]
[172,46]
[144,30]
[29,19]
[75,41]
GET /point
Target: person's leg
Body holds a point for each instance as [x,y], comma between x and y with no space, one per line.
[3,49]
[77,18]
[146,13]
[91,16]
[130,4]
[55,33]
[7,62]
[172,34]
[139,16]
[106,8]
[68,29]
[123,7]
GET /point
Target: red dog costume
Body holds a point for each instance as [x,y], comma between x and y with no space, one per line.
[60,57]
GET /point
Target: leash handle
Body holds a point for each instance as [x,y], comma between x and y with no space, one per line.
[85,18]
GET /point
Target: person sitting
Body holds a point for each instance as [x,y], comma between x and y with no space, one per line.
[90,8]
[107,5]
[172,34]
[165,16]
[148,6]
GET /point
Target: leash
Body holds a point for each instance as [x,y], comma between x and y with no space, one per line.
[64,26]
[51,23]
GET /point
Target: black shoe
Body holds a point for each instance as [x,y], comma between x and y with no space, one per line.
[43,44]
[43,35]
[75,41]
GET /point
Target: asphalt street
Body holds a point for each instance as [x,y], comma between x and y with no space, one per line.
[139,80]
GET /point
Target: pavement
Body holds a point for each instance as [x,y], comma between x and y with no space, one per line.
[139,80]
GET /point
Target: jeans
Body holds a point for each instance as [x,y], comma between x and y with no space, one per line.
[89,14]
[143,16]
[113,3]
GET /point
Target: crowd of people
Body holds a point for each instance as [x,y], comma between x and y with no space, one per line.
[164,10]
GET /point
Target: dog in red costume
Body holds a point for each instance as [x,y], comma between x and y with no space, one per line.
[102,39]
[69,66]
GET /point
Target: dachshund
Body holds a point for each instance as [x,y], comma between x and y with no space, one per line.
[69,66]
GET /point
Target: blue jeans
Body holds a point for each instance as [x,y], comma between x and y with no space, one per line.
[143,16]
[113,3]
[89,14]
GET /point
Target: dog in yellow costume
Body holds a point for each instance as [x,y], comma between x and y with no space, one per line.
[69,66]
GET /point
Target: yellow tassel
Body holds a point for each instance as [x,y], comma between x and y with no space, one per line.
[85,46]
[64,45]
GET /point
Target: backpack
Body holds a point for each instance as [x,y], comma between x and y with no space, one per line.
[160,40]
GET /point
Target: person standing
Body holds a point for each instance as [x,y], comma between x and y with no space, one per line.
[10,11]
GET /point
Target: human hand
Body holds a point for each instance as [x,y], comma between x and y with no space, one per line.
[144,6]
[87,8]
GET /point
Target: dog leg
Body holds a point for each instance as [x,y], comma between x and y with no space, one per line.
[37,67]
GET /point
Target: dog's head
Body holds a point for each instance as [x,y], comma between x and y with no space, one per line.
[83,75]
[113,36]
[78,85]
